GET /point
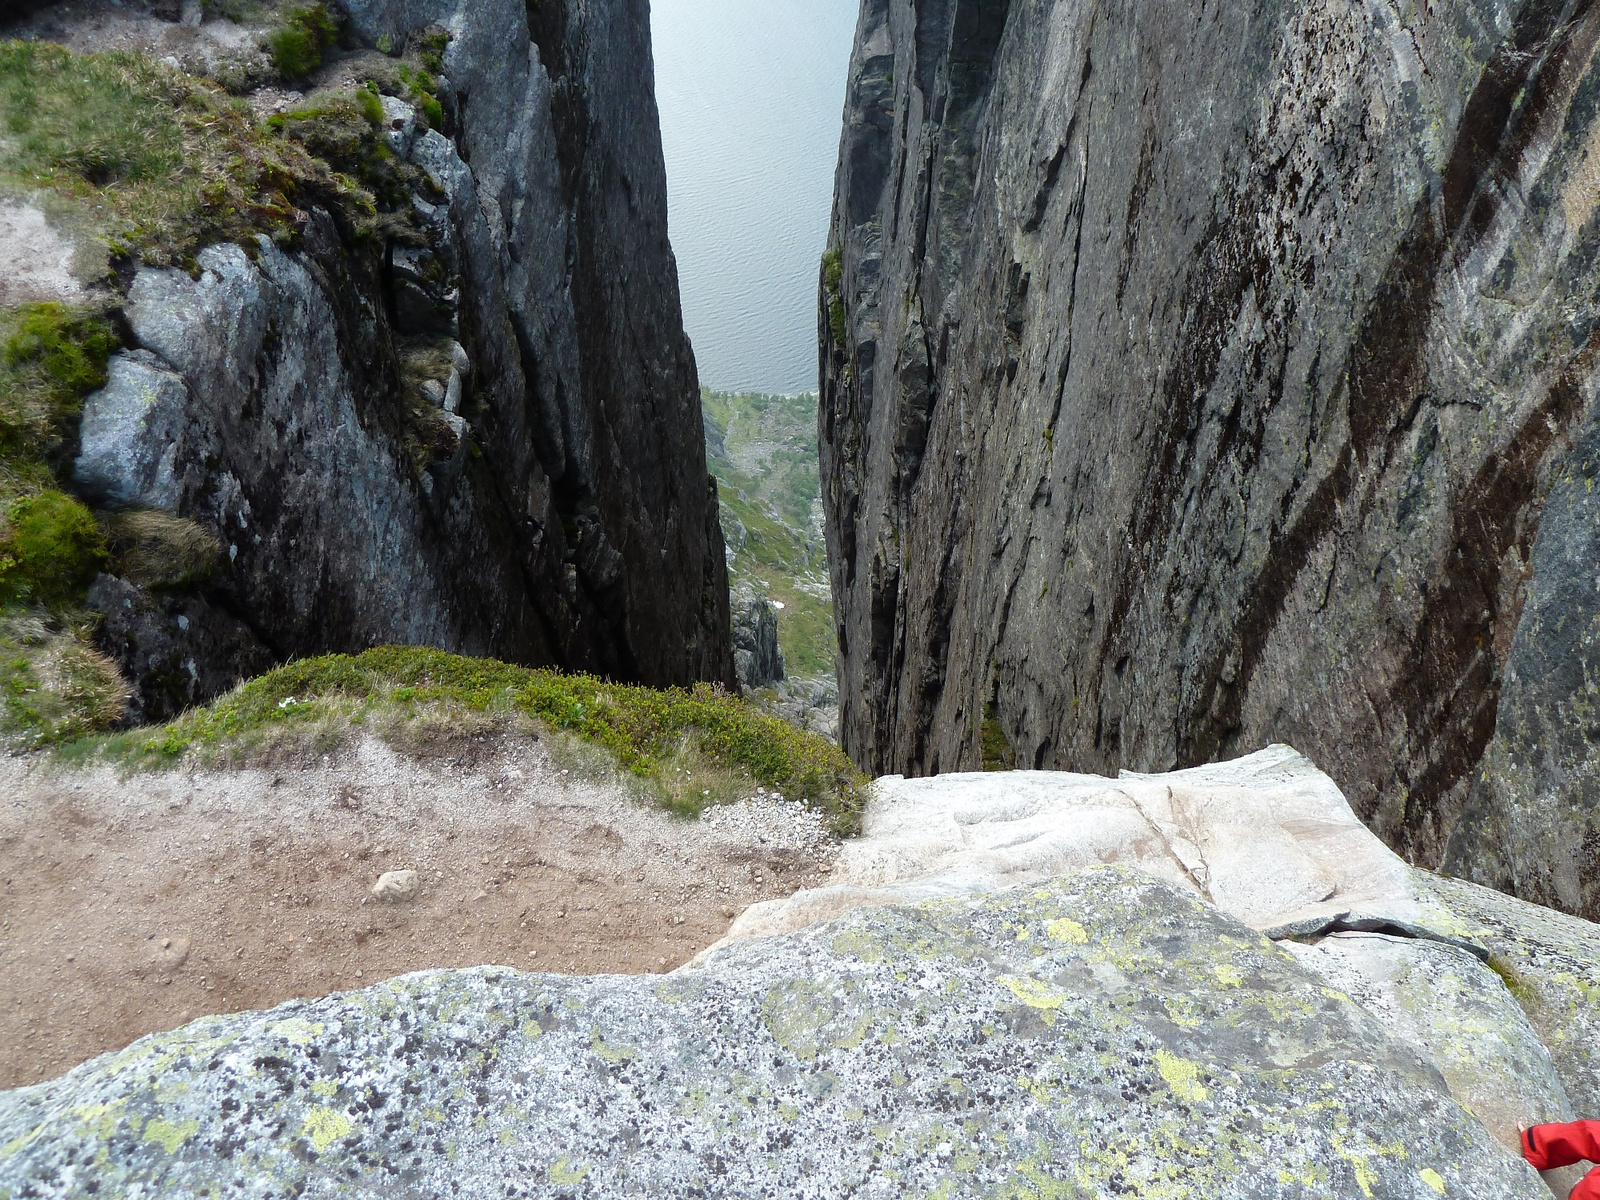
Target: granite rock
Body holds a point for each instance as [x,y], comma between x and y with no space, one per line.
[1088,1037]
[550,505]
[1196,378]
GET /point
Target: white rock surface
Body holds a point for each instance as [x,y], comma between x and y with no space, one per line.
[130,434]
[1267,838]
[396,886]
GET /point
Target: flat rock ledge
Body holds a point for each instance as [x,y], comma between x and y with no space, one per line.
[1110,1030]
[1098,1035]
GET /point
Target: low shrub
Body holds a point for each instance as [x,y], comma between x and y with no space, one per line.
[51,550]
[298,45]
[660,735]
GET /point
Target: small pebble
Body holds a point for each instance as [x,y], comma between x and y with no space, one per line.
[397,886]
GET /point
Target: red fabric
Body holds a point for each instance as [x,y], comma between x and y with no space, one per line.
[1589,1188]
[1550,1146]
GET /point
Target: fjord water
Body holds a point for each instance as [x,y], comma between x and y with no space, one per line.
[751,94]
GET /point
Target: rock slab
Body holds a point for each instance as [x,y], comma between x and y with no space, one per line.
[1095,1036]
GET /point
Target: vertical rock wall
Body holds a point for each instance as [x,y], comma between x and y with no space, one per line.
[1195,377]
[490,441]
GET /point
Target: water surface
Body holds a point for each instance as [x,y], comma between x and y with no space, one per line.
[751,95]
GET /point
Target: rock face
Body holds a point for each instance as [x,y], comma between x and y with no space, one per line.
[755,640]
[1197,378]
[1102,1035]
[980,1031]
[1497,994]
[490,442]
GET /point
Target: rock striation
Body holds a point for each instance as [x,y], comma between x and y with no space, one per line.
[486,438]
[1195,379]
[1099,1032]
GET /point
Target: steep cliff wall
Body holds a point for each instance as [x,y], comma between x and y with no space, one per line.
[1196,376]
[466,417]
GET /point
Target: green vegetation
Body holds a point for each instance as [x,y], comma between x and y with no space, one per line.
[53,686]
[163,162]
[51,357]
[833,281]
[160,551]
[763,451]
[993,744]
[298,44]
[693,748]
[51,549]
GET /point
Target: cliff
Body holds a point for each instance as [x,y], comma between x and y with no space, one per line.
[1201,377]
[432,385]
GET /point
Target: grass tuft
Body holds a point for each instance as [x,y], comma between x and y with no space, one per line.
[54,687]
[682,741]
[298,45]
[161,551]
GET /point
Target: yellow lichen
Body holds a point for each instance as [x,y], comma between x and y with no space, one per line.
[1182,1076]
[1433,1179]
[297,1031]
[325,1126]
[1228,975]
[565,1173]
[170,1135]
[1064,929]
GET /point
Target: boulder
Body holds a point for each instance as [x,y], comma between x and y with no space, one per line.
[1104,1034]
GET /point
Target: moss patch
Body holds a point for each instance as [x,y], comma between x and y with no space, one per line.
[299,43]
[833,283]
[995,748]
[51,549]
[662,736]
[51,357]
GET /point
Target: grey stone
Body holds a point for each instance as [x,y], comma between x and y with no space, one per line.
[130,433]
[1088,1037]
[1458,1013]
[1198,383]
[756,655]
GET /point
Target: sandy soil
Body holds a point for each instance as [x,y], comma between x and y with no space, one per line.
[130,906]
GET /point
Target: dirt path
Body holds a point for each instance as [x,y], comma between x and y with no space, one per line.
[129,906]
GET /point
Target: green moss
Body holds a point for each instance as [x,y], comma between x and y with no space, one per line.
[51,549]
[51,357]
[298,45]
[648,731]
[995,748]
[833,281]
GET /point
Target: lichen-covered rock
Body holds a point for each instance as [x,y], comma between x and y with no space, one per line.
[1103,1035]
[1454,1009]
[1550,963]
[1195,377]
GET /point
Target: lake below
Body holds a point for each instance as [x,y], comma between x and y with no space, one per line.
[751,95]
